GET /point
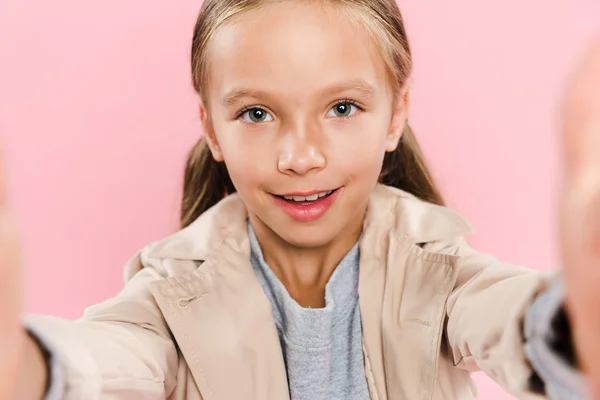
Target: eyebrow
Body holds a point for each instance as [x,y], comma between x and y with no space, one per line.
[236,95]
[359,85]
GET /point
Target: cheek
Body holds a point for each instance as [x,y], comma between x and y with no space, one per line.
[363,165]
[249,159]
[359,150]
[244,177]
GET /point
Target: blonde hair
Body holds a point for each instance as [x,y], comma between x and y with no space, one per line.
[207,181]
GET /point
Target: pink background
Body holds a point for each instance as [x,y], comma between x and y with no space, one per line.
[97,113]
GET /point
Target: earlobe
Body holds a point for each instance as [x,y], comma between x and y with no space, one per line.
[399,121]
[393,140]
[213,145]
[209,134]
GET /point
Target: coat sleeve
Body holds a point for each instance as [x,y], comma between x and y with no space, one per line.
[486,314]
[120,349]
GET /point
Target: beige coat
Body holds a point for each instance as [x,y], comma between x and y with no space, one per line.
[193,323]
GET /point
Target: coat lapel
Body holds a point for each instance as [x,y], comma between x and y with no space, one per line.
[371,287]
[223,324]
[414,310]
[218,313]
[403,291]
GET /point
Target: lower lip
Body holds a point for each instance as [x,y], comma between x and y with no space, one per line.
[308,211]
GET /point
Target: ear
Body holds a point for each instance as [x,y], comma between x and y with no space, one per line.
[209,133]
[399,117]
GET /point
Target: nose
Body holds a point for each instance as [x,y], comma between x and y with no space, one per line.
[302,151]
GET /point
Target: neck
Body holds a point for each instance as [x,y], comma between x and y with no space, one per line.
[305,271]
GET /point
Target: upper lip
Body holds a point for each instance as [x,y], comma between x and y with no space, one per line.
[305,193]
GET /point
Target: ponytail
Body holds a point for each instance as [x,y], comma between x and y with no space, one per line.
[205,183]
[405,169]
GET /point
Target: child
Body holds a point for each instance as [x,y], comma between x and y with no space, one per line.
[316,259]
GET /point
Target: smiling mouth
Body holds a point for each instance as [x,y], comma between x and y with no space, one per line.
[307,206]
[306,199]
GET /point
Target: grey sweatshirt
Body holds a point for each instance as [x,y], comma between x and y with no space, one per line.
[322,348]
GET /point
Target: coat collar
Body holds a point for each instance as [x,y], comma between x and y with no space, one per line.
[220,316]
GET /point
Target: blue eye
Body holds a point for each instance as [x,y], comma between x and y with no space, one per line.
[256,115]
[343,109]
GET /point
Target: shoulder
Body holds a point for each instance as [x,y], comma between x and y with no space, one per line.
[182,251]
[395,209]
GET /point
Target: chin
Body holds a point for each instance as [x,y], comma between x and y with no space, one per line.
[317,235]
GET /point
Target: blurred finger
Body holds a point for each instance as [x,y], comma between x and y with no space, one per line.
[580,212]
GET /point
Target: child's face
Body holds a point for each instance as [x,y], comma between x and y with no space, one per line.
[300,102]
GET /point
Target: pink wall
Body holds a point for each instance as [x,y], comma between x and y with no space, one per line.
[96,112]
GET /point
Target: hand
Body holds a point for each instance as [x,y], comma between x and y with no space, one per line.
[22,366]
[580,213]
[11,331]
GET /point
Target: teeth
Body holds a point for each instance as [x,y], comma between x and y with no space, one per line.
[312,197]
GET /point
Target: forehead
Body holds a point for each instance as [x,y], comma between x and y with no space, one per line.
[294,48]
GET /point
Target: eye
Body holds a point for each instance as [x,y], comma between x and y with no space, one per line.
[343,109]
[255,115]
